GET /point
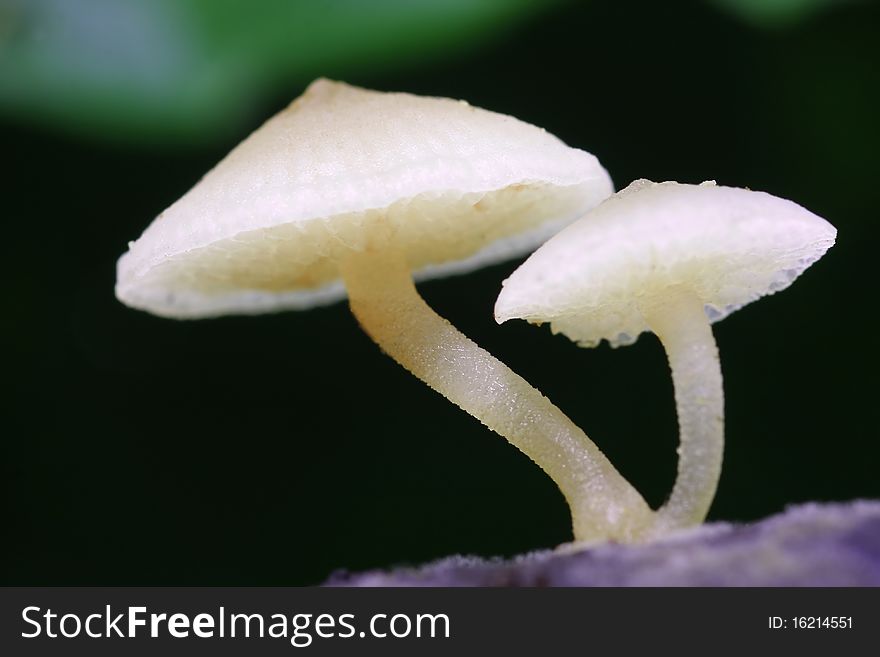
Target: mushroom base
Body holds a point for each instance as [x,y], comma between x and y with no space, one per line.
[385,302]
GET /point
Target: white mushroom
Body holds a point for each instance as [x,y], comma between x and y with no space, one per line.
[669,258]
[350,190]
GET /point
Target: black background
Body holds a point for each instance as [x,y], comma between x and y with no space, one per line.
[276,449]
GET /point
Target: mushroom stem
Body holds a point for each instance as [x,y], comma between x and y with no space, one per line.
[678,318]
[385,302]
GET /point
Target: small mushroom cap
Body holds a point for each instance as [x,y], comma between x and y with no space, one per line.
[455,187]
[729,246]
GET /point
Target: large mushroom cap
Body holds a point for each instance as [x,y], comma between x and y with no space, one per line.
[729,246]
[457,187]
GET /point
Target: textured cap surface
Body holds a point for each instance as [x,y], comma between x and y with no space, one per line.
[729,246]
[455,186]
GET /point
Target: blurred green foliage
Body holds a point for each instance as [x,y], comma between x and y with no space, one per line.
[186,69]
[777,13]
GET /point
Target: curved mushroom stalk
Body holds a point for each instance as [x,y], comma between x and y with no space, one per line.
[385,302]
[678,319]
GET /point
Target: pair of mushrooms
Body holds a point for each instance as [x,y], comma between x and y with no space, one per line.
[350,191]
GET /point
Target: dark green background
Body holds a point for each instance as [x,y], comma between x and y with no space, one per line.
[276,449]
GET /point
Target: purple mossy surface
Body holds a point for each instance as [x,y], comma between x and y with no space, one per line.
[807,545]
